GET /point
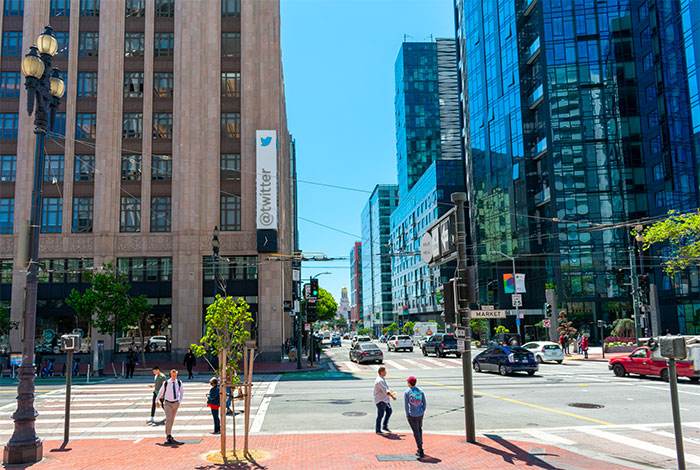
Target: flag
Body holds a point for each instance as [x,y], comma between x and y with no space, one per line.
[520,283]
[508,283]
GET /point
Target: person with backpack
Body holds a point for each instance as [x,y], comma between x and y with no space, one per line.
[171,393]
[189,362]
[414,404]
[158,381]
[214,403]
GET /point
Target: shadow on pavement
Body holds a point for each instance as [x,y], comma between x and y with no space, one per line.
[516,454]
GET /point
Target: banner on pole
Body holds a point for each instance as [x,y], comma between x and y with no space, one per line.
[508,283]
[520,283]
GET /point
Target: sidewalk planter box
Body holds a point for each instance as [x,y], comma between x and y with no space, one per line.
[619,349]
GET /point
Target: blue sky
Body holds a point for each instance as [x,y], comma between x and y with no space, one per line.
[338,58]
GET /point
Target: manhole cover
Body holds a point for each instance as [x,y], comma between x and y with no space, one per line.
[585,405]
[354,413]
[341,402]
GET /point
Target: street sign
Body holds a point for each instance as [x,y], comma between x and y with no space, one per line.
[307,326]
[297,306]
[307,291]
[426,248]
[488,313]
[460,332]
[517,300]
[461,345]
[296,275]
[287,305]
[546,323]
[487,307]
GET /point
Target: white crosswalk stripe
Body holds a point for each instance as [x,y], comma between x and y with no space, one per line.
[395,365]
[423,363]
[416,364]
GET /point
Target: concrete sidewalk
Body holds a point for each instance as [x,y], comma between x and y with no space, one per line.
[311,451]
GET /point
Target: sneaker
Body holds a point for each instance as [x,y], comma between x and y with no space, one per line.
[150,420]
[216,432]
[169,440]
[420,454]
[378,432]
[386,429]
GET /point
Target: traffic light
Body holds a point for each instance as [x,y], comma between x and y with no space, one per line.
[314,288]
[311,314]
[620,277]
[448,291]
[547,310]
[644,289]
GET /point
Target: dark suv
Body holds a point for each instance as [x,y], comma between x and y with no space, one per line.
[441,344]
[506,339]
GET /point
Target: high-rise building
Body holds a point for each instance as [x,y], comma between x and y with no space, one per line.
[577,127]
[344,304]
[376,257]
[690,15]
[155,144]
[356,285]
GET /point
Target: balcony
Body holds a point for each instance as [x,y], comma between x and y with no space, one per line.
[534,50]
[528,7]
[541,148]
[536,98]
[543,197]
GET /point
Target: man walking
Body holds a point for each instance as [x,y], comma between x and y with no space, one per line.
[171,393]
[189,362]
[157,384]
[130,363]
[382,393]
[414,404]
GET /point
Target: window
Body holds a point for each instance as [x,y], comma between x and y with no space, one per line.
[89,8]
[231,125]
[651,92]
[59,126]
[8,168]
[230,212]
[8,125]
[132,126]
[653,118]
[165,8]
[655,144]
[164,45]
[133,85]
[163,85]
[230,7]
[85,126]
[658,171]
[660,199]
[51,215]
[7,214]
[10,83]
[87,84]
[14,8]
[645,37]
[11,43]
[62,38]
[133,44]
[130,218]
[82,214]
[162,126]
[131,167]
[648,62]
[230,44]
[84,168]
[135,8]
[160,214]
[643,11]
[230,166]
[231,84]
[53,168]
[88,44]
[161,167]
[60,8]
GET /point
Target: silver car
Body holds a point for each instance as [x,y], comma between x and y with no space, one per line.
[545,351]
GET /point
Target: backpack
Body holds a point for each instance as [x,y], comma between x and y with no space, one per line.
[179,383]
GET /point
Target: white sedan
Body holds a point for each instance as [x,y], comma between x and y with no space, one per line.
[545,351]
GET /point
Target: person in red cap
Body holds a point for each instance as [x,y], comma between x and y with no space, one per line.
[414,404]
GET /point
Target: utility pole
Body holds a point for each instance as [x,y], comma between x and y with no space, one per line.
[634,284]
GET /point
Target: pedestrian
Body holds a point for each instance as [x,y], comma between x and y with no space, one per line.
[319,348]
[130,363]
[578,343]
[382,394]
[584,346]
[214,403]
[158,380]
[189,362]
[414,404]
[171,393]
[564,341]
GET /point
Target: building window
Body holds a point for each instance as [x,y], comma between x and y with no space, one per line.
[7,214]
[156,269]
[164,45]
[8,125]
[645,37]
[648,62]
[161,167]
[131,167]
[132,126]
[658,171]
[231,166]
[133,44]
[135,8]
[165,8]
[660,199]
[62,38]
[14,8]
[89,8]
[53,168]
[11,43]
[87,84]
[60,8]
[162,126]
[88,44]
[130,217]
[86,126]
[651,93]
[10,83]
[160,214]
[82,214]
[230,213]
[163,85]
[653,118]
[84,168]
[51,215]
[59,126]
[643,11]
[231,125]
[133,85]
[231,84]
[8,168]
[230,44]
[230,7]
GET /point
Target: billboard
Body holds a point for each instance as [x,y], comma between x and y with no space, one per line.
[266,180]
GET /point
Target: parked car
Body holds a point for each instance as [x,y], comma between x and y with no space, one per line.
[643,362]
[361,339]
[545,351]
[366,352]
[441,344]
[505,360]
[506,339]
[399,342]
[335,341]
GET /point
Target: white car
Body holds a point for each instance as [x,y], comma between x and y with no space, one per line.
[419,340]
[398,342]
[545,351]
[361,339]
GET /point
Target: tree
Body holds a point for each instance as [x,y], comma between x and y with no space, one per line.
[364,332]
[6,325]
[326,306]
[682,233]
[341,322]
[408,328]
[624,327]
[479,327]
[107,305]
[391,329]
[565,326]
[501,329]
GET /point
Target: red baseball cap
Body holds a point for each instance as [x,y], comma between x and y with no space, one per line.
[412,380]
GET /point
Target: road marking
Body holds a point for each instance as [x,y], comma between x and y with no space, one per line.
[395,365]
[138,440]
[374,366]
[416,363]
[454,361]
[332,367]
[262,410]
[549,438]
[433,361]
[351,365]
[643,445]
[673,436]
[666,390]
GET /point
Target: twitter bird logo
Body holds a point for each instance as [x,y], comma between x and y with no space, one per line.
[265,141]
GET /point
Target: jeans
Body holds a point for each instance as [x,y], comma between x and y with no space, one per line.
[189,371]
[153,404]
[383,410]
[416,423]
[217,421]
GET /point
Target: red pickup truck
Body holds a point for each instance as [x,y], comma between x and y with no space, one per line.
[642,362]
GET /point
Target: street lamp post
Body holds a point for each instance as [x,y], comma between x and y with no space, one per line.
[44,91]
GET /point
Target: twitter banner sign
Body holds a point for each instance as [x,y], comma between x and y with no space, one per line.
[266,180]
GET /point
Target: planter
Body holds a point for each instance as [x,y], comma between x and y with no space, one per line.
[619,349]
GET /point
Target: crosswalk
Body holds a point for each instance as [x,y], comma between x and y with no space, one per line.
[423,363]
[120,410]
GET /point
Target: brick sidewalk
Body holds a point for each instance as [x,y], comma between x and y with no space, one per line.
[312,451]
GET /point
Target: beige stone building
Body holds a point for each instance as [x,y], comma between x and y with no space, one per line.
[154,145]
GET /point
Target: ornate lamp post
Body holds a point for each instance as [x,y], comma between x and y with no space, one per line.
[44,91]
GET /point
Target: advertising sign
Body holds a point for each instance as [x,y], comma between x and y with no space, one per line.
[520,283]
[266,179]
[508,283]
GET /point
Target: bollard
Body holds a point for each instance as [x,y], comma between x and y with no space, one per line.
[87,376]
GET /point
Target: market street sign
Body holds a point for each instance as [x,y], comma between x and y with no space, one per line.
[488,313]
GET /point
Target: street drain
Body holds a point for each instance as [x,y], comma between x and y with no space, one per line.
[341,402]
[585,405]
[354,413]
